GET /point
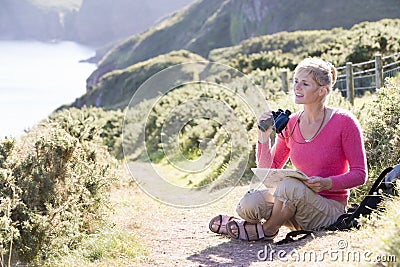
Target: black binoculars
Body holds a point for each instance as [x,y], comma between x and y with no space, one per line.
[278,121]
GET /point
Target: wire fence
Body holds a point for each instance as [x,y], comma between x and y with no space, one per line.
[369,75]
[356,79]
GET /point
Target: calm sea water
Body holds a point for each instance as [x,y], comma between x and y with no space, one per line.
[36,78]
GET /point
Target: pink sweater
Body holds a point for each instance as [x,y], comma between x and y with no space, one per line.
[336,152]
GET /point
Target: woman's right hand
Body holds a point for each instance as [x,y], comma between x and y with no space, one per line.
[263,136]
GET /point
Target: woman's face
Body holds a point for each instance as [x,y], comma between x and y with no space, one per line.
[306,90]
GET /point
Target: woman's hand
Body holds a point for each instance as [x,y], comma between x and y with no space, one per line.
[263,136]
[318,184]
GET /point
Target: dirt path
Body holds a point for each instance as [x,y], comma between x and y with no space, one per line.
[180,237]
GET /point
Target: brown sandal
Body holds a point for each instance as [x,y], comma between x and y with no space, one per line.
[223,220]
[243,228]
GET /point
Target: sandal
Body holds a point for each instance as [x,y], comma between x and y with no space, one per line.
[243,228]
[223,220]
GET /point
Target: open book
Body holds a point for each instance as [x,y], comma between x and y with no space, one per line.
[272,177]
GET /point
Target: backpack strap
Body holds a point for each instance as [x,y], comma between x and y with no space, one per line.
[369,203]
[378,182]
[344,222]
[372,199]
[290,236]
[348,220]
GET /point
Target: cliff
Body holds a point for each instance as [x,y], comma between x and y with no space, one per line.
[100,22]
[207,25]
[24,20]
[93,22]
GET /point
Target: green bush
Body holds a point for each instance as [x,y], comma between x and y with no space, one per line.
[379,118]
[93,123]
[382,127]
[287,49]
[54,189]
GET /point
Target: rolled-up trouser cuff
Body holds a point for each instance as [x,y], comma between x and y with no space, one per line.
[255,206]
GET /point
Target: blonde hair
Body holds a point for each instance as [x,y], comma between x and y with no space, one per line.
[322,72]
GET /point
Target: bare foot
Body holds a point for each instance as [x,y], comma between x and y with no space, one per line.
[218,224]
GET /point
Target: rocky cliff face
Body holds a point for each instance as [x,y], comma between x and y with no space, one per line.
[99,21]
[96,22]
[23,20]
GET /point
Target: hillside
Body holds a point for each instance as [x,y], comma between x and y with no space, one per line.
[206,25]
[286,49]
[272,52]
[93,22]
[117,87]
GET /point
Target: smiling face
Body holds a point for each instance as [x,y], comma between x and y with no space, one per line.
[306,89]
[313,80]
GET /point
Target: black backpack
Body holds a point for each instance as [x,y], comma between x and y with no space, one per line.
[349,220]
[371,202]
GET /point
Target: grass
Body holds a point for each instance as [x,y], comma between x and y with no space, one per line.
[116,245]
[389,230]
[179,178]
[381,234]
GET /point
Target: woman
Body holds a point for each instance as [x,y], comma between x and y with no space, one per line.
[322,142]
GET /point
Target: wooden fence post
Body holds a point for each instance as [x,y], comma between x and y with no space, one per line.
[285,81]
[350,82]
[263,81]
[378,71]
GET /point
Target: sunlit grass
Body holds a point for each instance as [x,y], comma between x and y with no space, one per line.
[115,247]
[384,227]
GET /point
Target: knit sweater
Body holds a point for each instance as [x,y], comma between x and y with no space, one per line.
[337,151]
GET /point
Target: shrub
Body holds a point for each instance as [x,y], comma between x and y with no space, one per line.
[54,189]
[93,123]
[382,127]
[379,118]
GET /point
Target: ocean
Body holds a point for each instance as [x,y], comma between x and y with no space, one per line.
[36,78]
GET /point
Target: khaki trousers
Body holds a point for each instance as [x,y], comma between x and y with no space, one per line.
[311,211]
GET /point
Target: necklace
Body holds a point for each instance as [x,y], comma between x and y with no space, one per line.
[319,128]
[306,141]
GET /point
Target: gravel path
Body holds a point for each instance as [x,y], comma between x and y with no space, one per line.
[180,236]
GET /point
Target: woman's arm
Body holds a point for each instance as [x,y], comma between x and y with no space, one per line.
[354,152]
[274,157]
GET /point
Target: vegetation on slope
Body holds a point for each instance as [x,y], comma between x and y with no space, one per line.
[55,188]
[286,49]
[206,25]
[116,88]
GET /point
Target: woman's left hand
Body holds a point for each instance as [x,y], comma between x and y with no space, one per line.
[318,184]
